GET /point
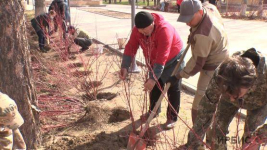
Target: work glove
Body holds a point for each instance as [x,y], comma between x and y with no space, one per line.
[173,80]
[261,133]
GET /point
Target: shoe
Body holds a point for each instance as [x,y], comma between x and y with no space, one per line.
[43,50]
[46,48]
[83,49]
[169,124]
[145,116]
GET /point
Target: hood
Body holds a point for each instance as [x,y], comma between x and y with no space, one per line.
[158,19]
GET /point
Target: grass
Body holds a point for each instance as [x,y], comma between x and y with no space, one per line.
[29,14]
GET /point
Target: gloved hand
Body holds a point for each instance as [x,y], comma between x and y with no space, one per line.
[261,133]
[173,80]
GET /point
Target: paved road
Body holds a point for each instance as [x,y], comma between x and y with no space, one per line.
[242,34]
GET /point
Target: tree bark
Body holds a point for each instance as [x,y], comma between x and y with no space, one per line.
[15,73]
[260,9]
[243,10]
[39,7]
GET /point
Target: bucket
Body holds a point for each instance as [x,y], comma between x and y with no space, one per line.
[122,42]
[97,49]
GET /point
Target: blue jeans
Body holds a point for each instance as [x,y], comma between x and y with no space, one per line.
[162,6]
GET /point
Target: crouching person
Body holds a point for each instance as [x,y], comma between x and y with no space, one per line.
[10,121]
[80,38]
[239,82]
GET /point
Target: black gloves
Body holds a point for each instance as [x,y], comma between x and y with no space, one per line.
[173,80]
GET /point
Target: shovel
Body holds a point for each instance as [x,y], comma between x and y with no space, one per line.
[136,142]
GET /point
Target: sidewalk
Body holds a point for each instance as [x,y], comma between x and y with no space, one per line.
[242,34]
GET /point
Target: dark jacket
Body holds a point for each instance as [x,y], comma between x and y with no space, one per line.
[59,7]
[41,22]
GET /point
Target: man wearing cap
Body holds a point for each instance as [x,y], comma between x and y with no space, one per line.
[209,44]
[162,48]
[239,82]
[10,121]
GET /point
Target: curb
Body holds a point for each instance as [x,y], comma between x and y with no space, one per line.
[185,86]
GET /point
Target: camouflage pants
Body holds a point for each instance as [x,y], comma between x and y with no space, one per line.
[224,115]
[6,140]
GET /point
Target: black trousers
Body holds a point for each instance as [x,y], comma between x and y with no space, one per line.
[173,96]
[178,7]
[41,39]
[83,42]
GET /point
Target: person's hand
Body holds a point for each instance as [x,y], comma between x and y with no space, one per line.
[150,83]
[261,133]
[123,73]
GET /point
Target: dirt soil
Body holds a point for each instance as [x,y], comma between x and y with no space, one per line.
[93,115]
[85,106]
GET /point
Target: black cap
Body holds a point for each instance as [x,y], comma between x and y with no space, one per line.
[143,19]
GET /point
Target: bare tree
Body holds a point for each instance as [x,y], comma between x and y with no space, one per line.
[243,8]
[39,7]
[15,73]
[260,9]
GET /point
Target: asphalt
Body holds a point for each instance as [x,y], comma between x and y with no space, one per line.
[242,34]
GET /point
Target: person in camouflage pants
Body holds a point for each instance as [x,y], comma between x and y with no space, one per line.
[239,82]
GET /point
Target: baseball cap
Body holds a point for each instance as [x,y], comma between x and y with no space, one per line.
[9,115]
[188,9]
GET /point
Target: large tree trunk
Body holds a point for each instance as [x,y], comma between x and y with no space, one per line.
[15,73]
[39,7]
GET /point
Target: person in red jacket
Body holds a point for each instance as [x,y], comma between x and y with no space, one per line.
[162,48]
[178,2]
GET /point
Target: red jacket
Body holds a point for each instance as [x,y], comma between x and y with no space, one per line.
[163,44]
[179,2]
